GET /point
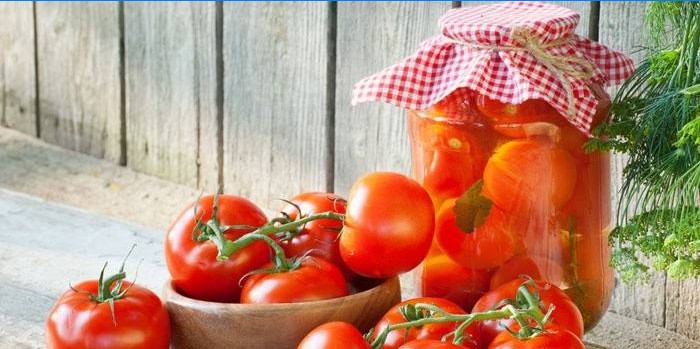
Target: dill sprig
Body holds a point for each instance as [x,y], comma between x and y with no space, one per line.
[656,123]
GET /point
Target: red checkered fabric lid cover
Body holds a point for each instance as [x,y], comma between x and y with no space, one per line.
[509,51]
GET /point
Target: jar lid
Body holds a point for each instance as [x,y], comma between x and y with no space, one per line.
[508,51]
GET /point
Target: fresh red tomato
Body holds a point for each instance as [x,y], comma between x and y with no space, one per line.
[514,268]
[488,246]
[77,322]
[193,265]
[399,337]
[565,314]
[434,344]
[319,237]
[315,279]
[444,278]
[552,338]
[388,225]
[334,335]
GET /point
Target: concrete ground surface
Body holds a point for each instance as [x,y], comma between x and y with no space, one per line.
[63,214]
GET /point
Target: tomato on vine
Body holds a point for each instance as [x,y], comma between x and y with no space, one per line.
[388,225]
[334,335]
[434,344]
[311,279]
[108,313]
[319,237]
[565,314]
[194,263]
[551,338]
[396,315]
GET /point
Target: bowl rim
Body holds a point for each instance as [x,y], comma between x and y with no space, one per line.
[171,295]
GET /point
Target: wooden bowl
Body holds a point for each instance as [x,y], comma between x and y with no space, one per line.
[208,325]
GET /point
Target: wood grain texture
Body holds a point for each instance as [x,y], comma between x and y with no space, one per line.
[59,175]
[682,313]
[275,99]
[371,36]
[618,332]
[171,109]
[620,28]
[78,71]
[17,73]
[279,326]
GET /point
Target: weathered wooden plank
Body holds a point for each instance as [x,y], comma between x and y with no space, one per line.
[55,174]
[275,99]
[171,108]
[620,27]
[17,73]
[79,81]
[371,36]
[682,313]
[618,332]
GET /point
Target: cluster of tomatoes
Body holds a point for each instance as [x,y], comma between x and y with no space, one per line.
[446,325]
[223,248]
[460,223]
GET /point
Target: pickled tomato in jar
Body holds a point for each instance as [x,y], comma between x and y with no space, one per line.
[531,200]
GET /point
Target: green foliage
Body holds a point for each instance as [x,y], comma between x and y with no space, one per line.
[656,123]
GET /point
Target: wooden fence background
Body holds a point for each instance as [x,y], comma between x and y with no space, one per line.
[251,96]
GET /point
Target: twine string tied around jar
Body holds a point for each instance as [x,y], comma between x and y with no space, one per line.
[559,65]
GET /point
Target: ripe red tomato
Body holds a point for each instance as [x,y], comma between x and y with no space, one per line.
[77,322]
[565,314]
[514,268]
[319,237]
[434,344]
[388,225]
[399,337]
[193,266]
[444,278]
[552,338]
[315,279]
[488,246]
[334,335]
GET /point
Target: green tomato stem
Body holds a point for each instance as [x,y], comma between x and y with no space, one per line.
[104,291]
[227,247]
[464,319]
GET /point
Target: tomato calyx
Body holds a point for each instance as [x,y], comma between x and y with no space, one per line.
[213,231]
[472,208]
[109,289]
[525,309]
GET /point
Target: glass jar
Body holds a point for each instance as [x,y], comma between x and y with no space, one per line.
[515,194]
